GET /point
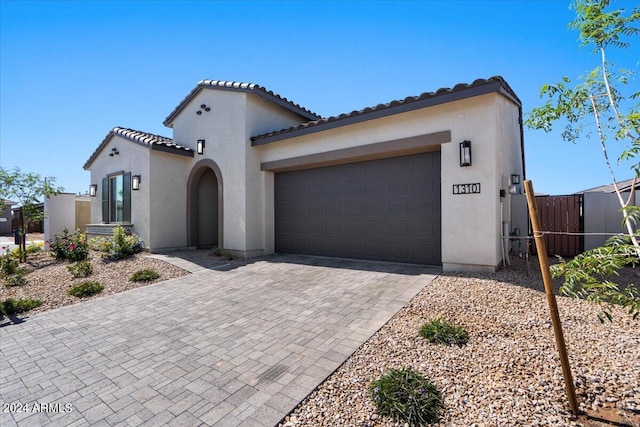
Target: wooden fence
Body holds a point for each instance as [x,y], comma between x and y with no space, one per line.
[562,214]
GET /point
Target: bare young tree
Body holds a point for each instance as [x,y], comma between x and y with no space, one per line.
[602,102]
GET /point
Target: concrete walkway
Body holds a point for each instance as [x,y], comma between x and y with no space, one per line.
[224,348]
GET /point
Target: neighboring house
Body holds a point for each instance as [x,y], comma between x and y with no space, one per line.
[5,217]
[425,179]
[32,226]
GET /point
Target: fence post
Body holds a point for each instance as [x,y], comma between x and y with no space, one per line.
[541,249]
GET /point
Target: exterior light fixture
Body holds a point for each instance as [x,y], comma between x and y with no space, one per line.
[135,182]
[200,146]
[465,153]
[515,179]
[93,189]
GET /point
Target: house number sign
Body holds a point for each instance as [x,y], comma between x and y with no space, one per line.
[466,188]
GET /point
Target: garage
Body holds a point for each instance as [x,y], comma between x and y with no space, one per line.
[385,209]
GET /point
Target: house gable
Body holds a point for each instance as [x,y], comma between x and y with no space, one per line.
[240,87]
[149,140]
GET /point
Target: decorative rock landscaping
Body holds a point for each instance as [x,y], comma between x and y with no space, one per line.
[508,374]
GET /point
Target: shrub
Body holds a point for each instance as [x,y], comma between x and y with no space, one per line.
[80,269]
[16,279]
[144,275]
[85,289]
[11,306]
[34,248]
[223,253]
[72,247]
[439,331]
[8,264]
[120,245]
[408,397]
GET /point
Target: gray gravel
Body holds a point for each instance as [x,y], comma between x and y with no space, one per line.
[508,374]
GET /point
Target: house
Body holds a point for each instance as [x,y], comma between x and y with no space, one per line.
[5,217]
[426,179]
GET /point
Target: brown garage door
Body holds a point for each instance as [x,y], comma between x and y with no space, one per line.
[386,209]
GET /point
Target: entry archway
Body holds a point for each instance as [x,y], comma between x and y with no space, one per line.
[204,205]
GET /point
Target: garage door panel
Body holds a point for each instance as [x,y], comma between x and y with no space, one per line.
[387,209]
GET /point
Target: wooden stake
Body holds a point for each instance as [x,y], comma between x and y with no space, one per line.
[541,248]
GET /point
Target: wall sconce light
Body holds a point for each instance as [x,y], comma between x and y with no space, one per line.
[93,189]
[135,182]
[200,146]
[465,153]
[515,179]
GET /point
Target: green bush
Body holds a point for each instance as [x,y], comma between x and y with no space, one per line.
[16,279]
[439,331]
[120,245]
[407,397]
[223,253]
[144,276]
[33,248]
[85,289]
[9,264]
[72,247]
[80,269]
[10,306]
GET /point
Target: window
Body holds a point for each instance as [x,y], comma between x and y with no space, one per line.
[116,198]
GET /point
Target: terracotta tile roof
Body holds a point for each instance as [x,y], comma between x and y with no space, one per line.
[242,87]
[150,140]
[442,95]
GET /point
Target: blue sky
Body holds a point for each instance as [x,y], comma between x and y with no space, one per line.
[70,71]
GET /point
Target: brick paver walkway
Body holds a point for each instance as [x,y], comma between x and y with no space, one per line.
[224,348]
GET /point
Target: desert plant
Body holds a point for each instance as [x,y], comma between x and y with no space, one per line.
[10,306]
[408,397]
[34,248]
[120,245]
[72,247]
[85,289]
[145,275]
[80,269]
[440,331]
[8,264]
[16,279]
[223,253]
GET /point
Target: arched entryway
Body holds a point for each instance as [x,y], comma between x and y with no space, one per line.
[204,205]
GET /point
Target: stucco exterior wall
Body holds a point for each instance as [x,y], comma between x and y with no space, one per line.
[60,213]
[471,226]
[166,185]
[262,117]
[133,158]
[602,215]
[222,128]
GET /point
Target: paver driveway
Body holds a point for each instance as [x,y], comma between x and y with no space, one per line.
[236,347]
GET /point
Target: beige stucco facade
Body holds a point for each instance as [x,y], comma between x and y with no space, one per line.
[228,120]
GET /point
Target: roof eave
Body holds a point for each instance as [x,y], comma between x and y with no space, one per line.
[454,95]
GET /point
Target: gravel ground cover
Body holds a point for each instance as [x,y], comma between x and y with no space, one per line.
[48,279]
[509,374]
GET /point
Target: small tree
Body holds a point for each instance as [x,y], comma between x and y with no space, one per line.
[601,97]
[27,189]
